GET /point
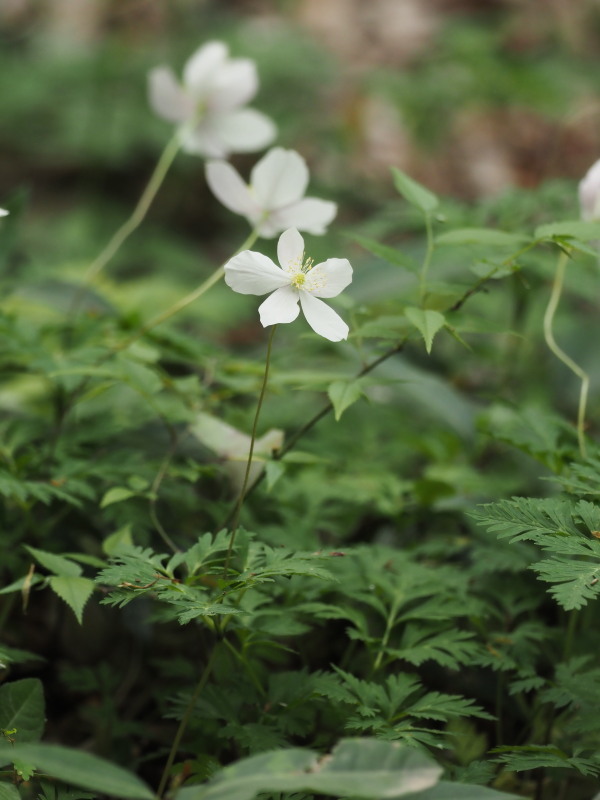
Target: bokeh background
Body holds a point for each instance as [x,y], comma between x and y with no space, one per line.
[473,97]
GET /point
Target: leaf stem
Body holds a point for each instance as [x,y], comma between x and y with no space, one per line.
[242,494]
[557,287]
[185,721]
[137,217]
[427,259]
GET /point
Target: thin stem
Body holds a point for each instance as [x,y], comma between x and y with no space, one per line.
[156,485]
[427,259]
[242,494]
[557,287]
[136,218]
[185,721]
[184,301]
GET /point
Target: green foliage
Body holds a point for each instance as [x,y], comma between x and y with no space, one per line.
[222,650]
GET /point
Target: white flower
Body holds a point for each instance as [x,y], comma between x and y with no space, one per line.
[274,200]
[208,104]
[589,193]
[296,280]
[3,212]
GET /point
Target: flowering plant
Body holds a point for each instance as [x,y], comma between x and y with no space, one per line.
[274,200]
[296,280]
[208,105]
[589,193]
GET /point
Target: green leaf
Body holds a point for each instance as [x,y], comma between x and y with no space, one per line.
[22,707]
[576,229]
[118,541]
[79,769]
[343,394]
[445,790]
[412,191]
[486,236]
[116,495]
[356,767]
[9,791]
[274,470]
[54,563]
[74,591]
[427,321]
[386,253]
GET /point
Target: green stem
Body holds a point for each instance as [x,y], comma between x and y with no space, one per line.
[136,218]
[185,721]
[427,259]
[242,494]
[391,621]
[557,287]
[184,301]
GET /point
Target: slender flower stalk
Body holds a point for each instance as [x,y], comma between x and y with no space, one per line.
[134,221]
[184,301]
[557,287]
[240,500]
[185,721]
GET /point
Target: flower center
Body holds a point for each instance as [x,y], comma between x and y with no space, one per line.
[298,280]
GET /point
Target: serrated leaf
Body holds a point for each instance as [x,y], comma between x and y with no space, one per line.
[386,253]
[76,768]
[74,591]
[427,321]
[412,191]
[116,495]
[54,563]
[486,236]
[22,707]
[343,394]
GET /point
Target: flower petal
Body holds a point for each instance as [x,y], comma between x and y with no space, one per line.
[281,306]
[280,178]
[290,249]
[233,85]
[329,278]
[166,96]
[3,212]
[200,69]
[322,319]
[242,131]
[589,193]
[252,273]
[228,187]
[311,215]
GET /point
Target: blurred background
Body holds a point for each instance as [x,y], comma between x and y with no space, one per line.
[472,97]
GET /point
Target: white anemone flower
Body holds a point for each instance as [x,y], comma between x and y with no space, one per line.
[296,280]
[589,193]
[274,200]
[208,105]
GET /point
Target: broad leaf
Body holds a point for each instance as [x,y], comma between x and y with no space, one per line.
[412,191]
[54,563]
[427,321]
[343,394]
[74,591]
[79,769]
[356,767]
[22,708]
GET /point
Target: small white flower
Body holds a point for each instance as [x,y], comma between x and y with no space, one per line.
[589,193]
[274,201]
[296,280]
[3,212]
[208,104]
